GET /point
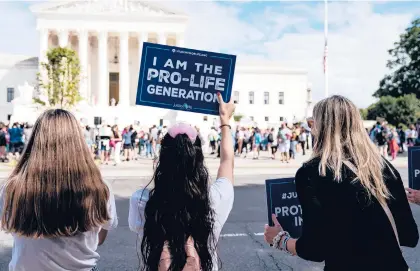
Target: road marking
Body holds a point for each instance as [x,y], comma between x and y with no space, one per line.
[241,234]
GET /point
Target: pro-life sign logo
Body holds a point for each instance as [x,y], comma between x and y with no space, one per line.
[282,201]
[184,79]
[414,167]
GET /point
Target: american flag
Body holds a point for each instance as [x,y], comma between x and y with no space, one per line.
[325,55]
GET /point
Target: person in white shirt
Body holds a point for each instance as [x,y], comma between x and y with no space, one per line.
[55,203]
[184,209]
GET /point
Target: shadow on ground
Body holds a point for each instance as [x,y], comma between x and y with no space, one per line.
[5,255]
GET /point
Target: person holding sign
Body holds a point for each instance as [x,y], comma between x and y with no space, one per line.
[355,210]
[183,212]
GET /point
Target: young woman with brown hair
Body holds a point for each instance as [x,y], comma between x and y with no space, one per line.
[55,203]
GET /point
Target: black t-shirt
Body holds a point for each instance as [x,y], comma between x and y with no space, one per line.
[380,138]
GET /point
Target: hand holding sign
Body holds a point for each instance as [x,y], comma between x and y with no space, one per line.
[271,232]
[226,110]
[413,196]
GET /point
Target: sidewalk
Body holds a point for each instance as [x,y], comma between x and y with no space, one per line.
[143,167]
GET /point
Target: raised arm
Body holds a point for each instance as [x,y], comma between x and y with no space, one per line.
[226,145]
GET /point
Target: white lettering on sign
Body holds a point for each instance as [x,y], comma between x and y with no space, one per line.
[286,210]
[169,75]
[182,93]
[416,172]
[298,221]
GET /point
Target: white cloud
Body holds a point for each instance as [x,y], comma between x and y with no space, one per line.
[357,50]
[213,26]
[290,34]
[358,40]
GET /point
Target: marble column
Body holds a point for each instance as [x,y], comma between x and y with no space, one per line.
[43,44]
[124,70]
[43,49]
[180,39]
[83,59]
[63,38]
[161,38]
[142,37]
[103,91]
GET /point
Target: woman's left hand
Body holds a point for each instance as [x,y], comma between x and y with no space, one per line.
[271,232]
[413,196]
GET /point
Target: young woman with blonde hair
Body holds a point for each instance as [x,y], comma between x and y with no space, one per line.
[355,210]
[55,203]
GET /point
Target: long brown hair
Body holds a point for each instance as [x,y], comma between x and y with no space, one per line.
[56,189]
[340,139]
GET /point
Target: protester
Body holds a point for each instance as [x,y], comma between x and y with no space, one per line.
[159,142]
[393,144]
[16,140]
[213,139]
[247,140]
[3,143]
[105,134]
[402,138]
[116,140]
[257,143]
[127,143]
[55,203]
[293,145]
[240,139]
[381,140]
[412,136]
[303,139]
[284,136]
[274,143]
[181,218]
[355,210]
[147,144]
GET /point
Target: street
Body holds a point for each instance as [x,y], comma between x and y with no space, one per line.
[241,246]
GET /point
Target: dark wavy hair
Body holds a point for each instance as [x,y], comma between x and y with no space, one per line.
[179,206]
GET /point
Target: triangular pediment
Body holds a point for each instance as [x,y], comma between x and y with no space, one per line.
[103,7]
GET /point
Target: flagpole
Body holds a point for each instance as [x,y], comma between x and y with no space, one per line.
[326,48]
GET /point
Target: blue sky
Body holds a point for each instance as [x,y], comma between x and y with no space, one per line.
[288,33]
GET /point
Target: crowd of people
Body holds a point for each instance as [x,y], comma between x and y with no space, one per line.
[287,141]
[391,140]
[59,209]
[110,143]
[13,139]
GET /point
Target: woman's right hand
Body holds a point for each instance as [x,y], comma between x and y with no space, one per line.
[413,196]
[226,110]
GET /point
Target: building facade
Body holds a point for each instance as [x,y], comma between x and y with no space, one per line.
[108,37]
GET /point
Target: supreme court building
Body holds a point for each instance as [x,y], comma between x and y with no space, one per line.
[108,36]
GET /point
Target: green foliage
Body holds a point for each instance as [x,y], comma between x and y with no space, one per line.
[364,113]
[59,79]
[397,111]
[238,117]
[405,64]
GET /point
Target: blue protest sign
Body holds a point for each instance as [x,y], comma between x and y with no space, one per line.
[282,201]
[184,79]
[414,167]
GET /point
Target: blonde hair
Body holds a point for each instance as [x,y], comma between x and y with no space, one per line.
[56,189]
[341,139]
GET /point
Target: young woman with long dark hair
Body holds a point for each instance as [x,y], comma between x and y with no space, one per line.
[179,221]
[57,207]
[355,210]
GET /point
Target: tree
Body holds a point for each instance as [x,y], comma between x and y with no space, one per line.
[405,64]
[58,81]
[364,113]
[403,110]
[238,117]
